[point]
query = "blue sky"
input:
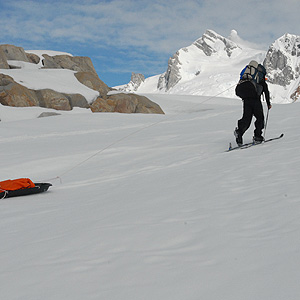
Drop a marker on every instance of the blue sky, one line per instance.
(124, 36)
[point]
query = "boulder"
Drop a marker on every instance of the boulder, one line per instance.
(48, 114)
(126, 103)
(77, 100)
(92, 81)
(14, 94)
(33, 58)
(52, 99)
(75, 63)
(12, 52)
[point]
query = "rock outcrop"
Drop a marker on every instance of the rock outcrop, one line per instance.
(15, 94)
(126, 103)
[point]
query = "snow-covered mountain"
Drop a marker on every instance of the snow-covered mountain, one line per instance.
(190, 62)
(212, 64)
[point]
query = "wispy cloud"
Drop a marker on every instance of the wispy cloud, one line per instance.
(155, 29)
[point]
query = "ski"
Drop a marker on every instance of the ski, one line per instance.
(247, 145)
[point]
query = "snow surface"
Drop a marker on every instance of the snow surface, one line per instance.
(150, 206)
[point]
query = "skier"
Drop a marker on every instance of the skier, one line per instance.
(250, 90)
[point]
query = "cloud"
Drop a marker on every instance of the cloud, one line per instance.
(160, 26)
(154, 29)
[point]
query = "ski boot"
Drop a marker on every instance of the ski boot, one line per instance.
(238, 137)
(258, 139)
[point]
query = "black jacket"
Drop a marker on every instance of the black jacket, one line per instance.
(266, 92)
(248, 90)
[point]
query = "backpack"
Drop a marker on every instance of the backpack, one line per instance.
(250, 78)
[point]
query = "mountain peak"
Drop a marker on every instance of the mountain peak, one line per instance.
(212, 42)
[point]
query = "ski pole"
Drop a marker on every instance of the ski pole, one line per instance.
(266, 120)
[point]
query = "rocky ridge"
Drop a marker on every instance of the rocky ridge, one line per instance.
(13, 93)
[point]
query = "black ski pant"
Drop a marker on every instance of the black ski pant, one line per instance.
(252, 107)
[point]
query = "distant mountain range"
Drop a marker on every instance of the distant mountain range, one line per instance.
(212, 64)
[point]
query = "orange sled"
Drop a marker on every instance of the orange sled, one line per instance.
(21, 187)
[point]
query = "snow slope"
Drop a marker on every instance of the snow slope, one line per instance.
(150, 206)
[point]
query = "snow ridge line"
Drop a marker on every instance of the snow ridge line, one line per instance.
(59, 177)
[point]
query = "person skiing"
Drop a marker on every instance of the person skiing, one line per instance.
(250, 88)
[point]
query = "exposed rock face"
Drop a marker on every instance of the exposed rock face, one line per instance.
(283, 60)
(14, 94)
(75, 63)
(126, 103)
(172, 76)
(92, 81)
(135, 81)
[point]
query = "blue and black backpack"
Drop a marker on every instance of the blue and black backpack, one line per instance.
(250, 78)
